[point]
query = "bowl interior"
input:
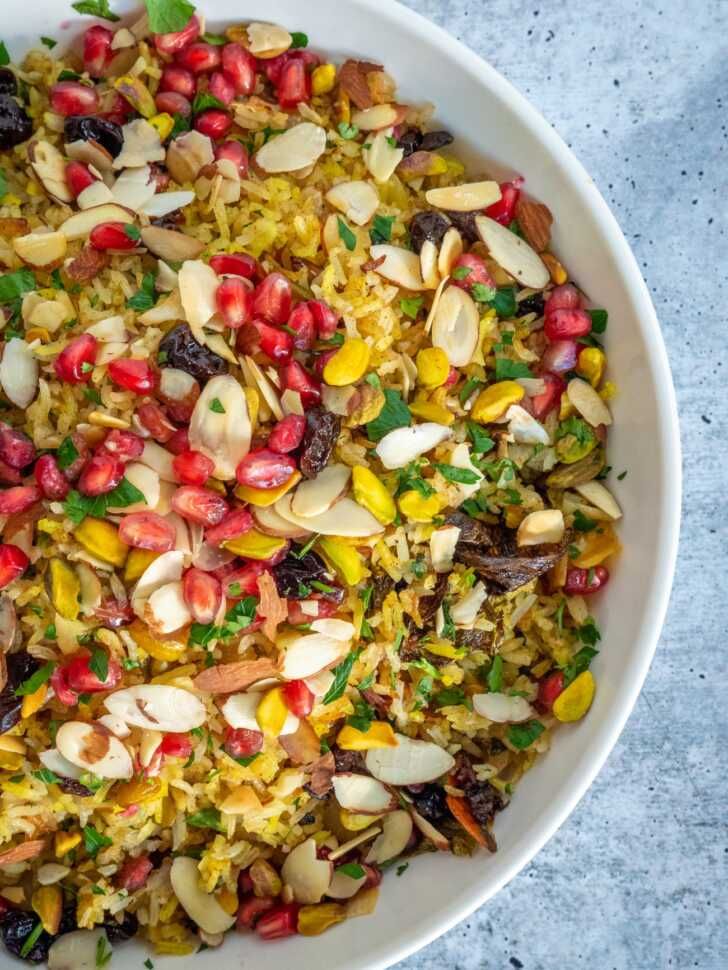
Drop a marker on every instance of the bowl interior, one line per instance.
(502, 135)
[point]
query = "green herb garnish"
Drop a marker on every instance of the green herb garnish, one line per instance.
(168, 16)
(412, 306)
(100, 8)
(146, 297)
(94, 841)
(216, 405)
(522, 736)
(346, 235)
(341, 677)
(394, 414)
(78, 506)
(36, 680)
(381, 231)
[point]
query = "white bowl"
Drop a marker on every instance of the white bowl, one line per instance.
(498, 126)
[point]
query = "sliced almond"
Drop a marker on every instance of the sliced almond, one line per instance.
(166, 610)
(502, 708)
(157, 707)
(146, 480)
(345, 518)
(303, 747)
(203, 908)
(79, 226)
(317, 495)
(309, 654)
(41, 249)
(357, 200)
(588, 403)
(134, 187)
(336, 629)
(430, 832)
(306, 875)
(50, 167)
(338, 400)
(142, 145)
(54, 761)
(435, 304)
(273, 524)
(78, 950)
(227, 678)
(239, 712)
(396, 833)
(295, 149)
(188, 155)
(198, 285)
(601, 497)
(19, 373)
(464, 198)
(90, 153)
(382, 157)
(461, 458)
(163, 203)
(164, 311)
(362, 794)
(451, 249)
(442, 547)
(268, 40)
(465, 611)
(110, 330)
(343, 886)
(403, 445)
(172, 245)
(158, 459)
(456, 326)
(428, 265)
(265, 387)
(241, 801)
(400, 266)
(223, 437)
(166, 280)
(378, 116)
(75, 742)
(512, 254)
(524, 428)
(166, 568)
(412, 762)
(546, 525)
(98, 193)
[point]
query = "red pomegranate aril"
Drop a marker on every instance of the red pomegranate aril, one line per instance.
(251, 909)
(236, 153)
(76, 361)
(260, 336)
(325, 318)
(273, 67)
(543, 403)
(173, 103)
(71, 98)
(503, 210)
(242, 742)
(567, 324)
(278, 922)
(200, 505)
(101, 474)
(221, 88)
(178, 80)
(114, 235)
(200, 58)
(97, 49)
(16, 448)
(242, 581)
(203, 594)
(264, 469)
(565, 297)
(72, 471)
(176, 746)
(78, 177)
(294, 84)
(299, 699)
(8, 475)
(13, 563)
(147, 530)
(239, 67)
(295, 378)
(233, 264)
(50, 479)
(63, 692)
(234, 300)
(134, 873)
(584, 582)
(179, 442)
(548, 690)
(18, 498)
(320, 362)
(453, 377)
(175, 42)
(560, 356)
(214, 123)
(287, 435)
(302, 322)
(132, 375)
(273, 298)
(83, 680)
(192, 467)
(469, 270)
(153, 419)
(125, 445)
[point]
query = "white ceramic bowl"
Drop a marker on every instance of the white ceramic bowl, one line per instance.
(498, 127)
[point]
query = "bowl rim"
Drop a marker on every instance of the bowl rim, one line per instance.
(655, 608)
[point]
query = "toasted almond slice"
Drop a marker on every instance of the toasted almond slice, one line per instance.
(396, 832)
(166, 280)
(451, 249)
(357, 200)
(382, 157)
(309, 654)
(23, 852)
(78, 950)
(346, 847)
(461, 458)
(268, 40)
(146, 480)
(512, 254)
(172, 245)
(400, 266)
(412, 762)
(164, 311)
(166, 568)
(109, 331)
(304, 748)
(601, 497)
(435, 304)
(203, 908)
(464, 198)
(54, 761)
(428, 265)
(157, 707)
(158, 458)
(163, 203)
(198, 285)
(223, 437)
(270, 522)
(307, 876)
(19, 372)
(142, 145)
(98, 193)
(188, 155)
(430, 832)
(134, 187)
(166, 610)
(526, 430)
(502, 708)
(241, 801)
(317, 495)
(345, 518)
(266, 388)
(456, 325)
(403, 445)
(90, 153)
(50, 167)
(41, 249)
(295, 149)
(377, 117)
(228, 678)
(588, 403)
(336, 629)
(546, 525)
(77, 742)
(442, 547)
(79, 225)
(362, 794)
(465, 611)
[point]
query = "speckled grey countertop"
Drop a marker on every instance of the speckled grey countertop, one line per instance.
(637, 877)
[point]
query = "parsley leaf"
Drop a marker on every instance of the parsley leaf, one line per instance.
(46, 776)
(4, 56)
(146, 297)
(206, 818)
(181, 125)
(504, 302)
(31, 939)
(599, 318)
(131, 232)
(299, 40)
(580, 662)
(3, 185)
(411, 307)
(103, 952)
(168, 16)
(449, 697)
(66, 454)
(463, 476)
(507, 370)
(362, 717)
(205, 100)
(341, 677)
(78, 506)
(217, 40)
(522, 736)
(583, 523)
(381, 231)
(15, 285)
(217, 406)
(237, 618)
(36, 680)
(93, 840)
(99, 8)
(394, 414)
(482, 293)
(348, 132)
(461, 272)
(352, 869)
(495, 675)
(346, 235)
(481, 442)
(409, 479)
(469, 387)
(99, 664)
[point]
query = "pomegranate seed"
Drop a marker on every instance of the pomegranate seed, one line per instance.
(16, 448)
(8, 475)
(78, 177)
(453, 376)
(296, 616)
(294, 85)
(373, 874)
(221, 88)
(132, 375)
(81, 678)
(264, 469)
(299, 699)
(71, 98)
(548, 690)
(176, 746)
(114, 614)
(564, 297)
(242, 742)
(236, 153)
(259, 336)
(245, 883)
(50, 479)
(287, 434)
(18, 499)
(76, 361)
(543, 403)
(233, 264)
(179, 442)
(278, 922)
(13, 563)
(97, 49)
(176, 79)
(214, 123)
(114, 235)
(193, 468)
(173, 103)
(273, 67)
(234, 299)
(147, 530)
(124, 445)
(203, 594)
(200, 58)
(320, 362)
(560, 356)
(470, 270)
(273, 298)
(153, 419)
(199, 505)
(175, 42)
(134, 873)
(302, 321)
(63, 692)
(72, 471)
(325, 318)
(567, 324)
(251, 909)
(243, 581)
(101, 474)
(239, 67)
(295, 378)
(502, 210)
(583, 582)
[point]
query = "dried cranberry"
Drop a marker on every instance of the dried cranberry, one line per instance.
(293, 576)
(15, 125)
(322, 430)
(430, 226)
(155, 421)
(251, 909)
(21, 666)
(180, 349)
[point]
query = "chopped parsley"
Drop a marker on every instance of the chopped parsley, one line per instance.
(482, 293)
(206, 818)
(216, 405)
(352, 869)
(180, 126)
(522, 736)
(99, 664)
(204, 100)
(409, 479)
(494, 679)
(463, 476)
(78, 506)
(412, 306)
(341, 677)
(298, 40)
(36, 680)
(32, 938)
(237, 619)
(131, 232)
(583, 523)
(217, 40)
(381, 231)
(504, 302)
(168, 16)
(347, 131)
(362, 717)
(449, 697)
(394, 414)
(469, 387)
(402, 868)
(146, 297)
(46, 776)
(3, 185)
(461, 272)
(100, 8)
(508, 370)
(93, 840)
(482, 443)
(599, 319)
(66, 454)
(103, 952)
(346, 235)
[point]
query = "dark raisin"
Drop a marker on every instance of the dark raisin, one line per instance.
(434, 140)
(293, 576)
(430, 604)
(463, 773)
(431, 804)
(308, 819)
(319, 438)
(464, 222)
(171, 221)
(410, 141)
(15, 930)
(180, 350)
(428, 225)
(382, 586)
(485, 801)
(532, 304)
(118, 932)
(90, 128)
(72, 787)
(349, 760)
(8, 83)
(20, 667)
(496, 746)
(15, 125)
(474, 639)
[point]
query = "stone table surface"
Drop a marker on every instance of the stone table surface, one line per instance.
(636, 878)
